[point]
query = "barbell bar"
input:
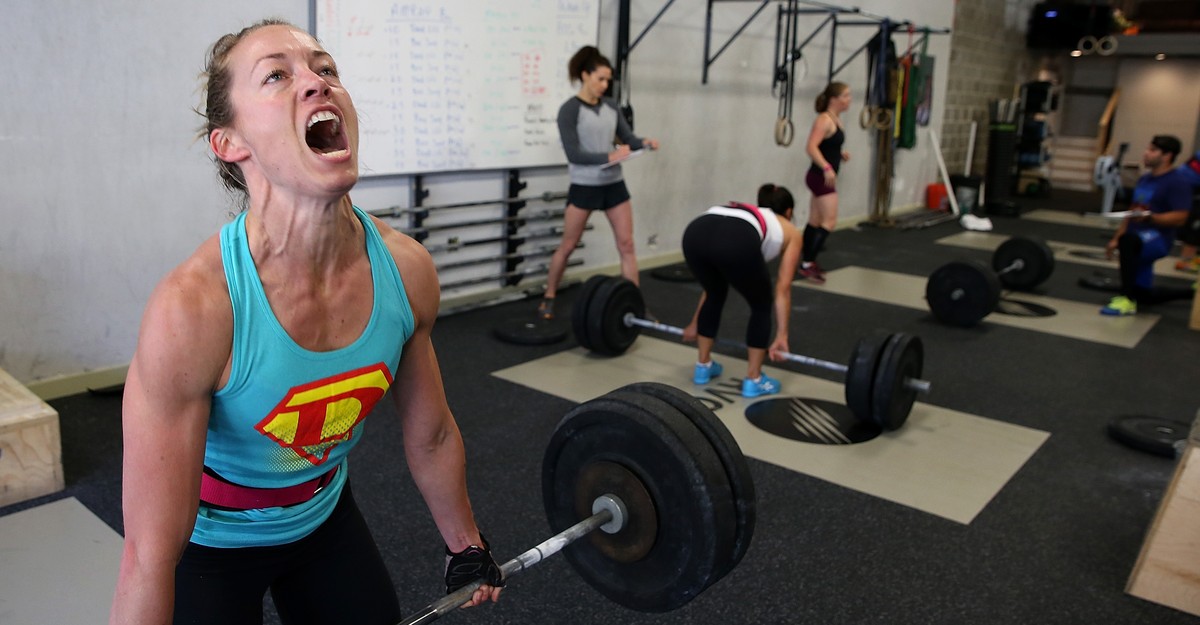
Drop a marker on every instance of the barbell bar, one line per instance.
(963, 292)
(424, 230)
(915, 384)
(397, 211)
(882, 379)
(609, 517)
(662, 479)
(510, 278)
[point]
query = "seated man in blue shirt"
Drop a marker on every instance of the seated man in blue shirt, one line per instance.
(1162, 197)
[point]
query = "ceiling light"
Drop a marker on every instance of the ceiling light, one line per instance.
(1076, 53)
(1160, 56)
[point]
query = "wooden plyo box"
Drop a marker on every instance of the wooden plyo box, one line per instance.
(1167, 571)
(30, 447)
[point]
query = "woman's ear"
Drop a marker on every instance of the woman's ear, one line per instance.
(225, 144)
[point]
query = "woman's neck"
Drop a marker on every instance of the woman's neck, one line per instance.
(587, 97)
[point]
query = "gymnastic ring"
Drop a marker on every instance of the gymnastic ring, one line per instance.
(1106, 45)
(785, 131)
(1087, 44)
(883, 118)
(864, 118)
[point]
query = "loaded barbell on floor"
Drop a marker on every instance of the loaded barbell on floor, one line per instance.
(882, 379)
(962, 293)
(665, 483)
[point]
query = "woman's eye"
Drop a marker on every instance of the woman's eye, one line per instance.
(273, 76)
(329, 71)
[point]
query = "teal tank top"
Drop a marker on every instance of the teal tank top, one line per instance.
(288, 415)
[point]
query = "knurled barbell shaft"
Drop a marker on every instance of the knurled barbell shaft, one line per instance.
(916, 384)
(1016, 265)
(539, 552)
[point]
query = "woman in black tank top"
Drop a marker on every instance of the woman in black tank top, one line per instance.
(825, 148)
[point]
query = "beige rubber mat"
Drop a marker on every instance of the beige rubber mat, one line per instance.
(1066, 252)
(1073, 319)
(58, 564)
(946, 463)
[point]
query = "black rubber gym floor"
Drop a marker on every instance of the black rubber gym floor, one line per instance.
(1057, 544)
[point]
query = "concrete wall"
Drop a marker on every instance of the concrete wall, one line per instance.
(988, 61)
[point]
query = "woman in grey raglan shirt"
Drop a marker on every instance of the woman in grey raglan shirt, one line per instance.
(594, 133)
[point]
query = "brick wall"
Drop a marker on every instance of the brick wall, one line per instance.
(988, 61)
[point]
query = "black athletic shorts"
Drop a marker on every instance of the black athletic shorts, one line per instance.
(602, 197)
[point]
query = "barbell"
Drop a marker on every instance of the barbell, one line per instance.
(963, 292)
(882, 379)
(665, 483)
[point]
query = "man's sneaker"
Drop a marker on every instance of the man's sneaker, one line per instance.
(812, 273)
(762, 386)
(545, 310)
(1120, 306)
(705, 373)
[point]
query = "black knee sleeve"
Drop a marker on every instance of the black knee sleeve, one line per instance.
(807, 245)
(814, 242)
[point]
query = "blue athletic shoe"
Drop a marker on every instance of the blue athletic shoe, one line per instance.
(762, 386)
(704, 374)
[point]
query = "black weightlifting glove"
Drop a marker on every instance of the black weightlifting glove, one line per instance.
(471, 564)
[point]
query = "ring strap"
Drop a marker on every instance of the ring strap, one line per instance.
(217, 492)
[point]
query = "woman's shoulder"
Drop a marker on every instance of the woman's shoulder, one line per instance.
(785, 224)
(413, 261)
(831, 122)
(203, 271)
(403, 247)
(193, 298)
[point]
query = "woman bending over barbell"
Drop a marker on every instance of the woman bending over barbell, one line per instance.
(730, 245)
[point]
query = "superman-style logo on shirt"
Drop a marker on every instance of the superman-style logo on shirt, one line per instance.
(314, 418)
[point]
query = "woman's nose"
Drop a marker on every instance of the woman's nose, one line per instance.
(314, 85)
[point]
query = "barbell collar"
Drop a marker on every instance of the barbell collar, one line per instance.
(539, 552)
(916, 384)
(616, 508)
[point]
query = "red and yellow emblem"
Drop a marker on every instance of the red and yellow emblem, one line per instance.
(316, 417)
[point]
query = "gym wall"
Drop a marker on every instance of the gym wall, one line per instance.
(1157, 97)
(107, 190)
(988, 60)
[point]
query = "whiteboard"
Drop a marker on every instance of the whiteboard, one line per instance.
(450, 86)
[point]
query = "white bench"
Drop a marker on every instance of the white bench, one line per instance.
(30, 446)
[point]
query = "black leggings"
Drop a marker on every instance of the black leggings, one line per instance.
(334, 575)
(723, 252)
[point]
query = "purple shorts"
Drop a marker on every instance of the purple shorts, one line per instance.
(816, 183)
